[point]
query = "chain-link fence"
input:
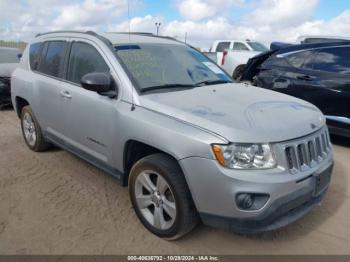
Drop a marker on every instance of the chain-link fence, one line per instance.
(14, 44)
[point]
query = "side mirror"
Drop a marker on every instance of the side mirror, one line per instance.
(97, 82)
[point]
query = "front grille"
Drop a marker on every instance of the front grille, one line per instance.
(306, 153)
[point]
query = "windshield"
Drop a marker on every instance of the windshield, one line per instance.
(256, 46)
(8, 56)
(168, 65)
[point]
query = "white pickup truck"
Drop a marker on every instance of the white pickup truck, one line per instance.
(232, 55)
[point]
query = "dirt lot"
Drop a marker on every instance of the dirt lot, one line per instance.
(55, 203)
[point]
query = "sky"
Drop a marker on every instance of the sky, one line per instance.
(203, 21)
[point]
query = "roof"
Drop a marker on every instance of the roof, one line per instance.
(303, 37)
(300, 47)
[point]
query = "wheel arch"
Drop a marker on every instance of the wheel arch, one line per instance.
(134, 150)
(20, 103)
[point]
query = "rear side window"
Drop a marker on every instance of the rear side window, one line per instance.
(335, 60)
(84, 59)
(52, 62)
(34, 55)
(240, 46)
(222, 46)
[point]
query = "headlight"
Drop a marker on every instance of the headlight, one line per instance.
(245, 156)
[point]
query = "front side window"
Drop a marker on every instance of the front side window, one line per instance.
(84, 59)
(34, 55)
(152, 65)
(240, 46)
(335, 60)
(52, 62)
(9, 56)
(301, 59)
(222, 46)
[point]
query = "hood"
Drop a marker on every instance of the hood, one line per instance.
(7, 69)
(238, 112)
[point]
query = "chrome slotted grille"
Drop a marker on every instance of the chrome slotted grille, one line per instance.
(306, 153)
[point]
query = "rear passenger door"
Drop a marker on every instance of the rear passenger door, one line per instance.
(48, 73)
(89, 117)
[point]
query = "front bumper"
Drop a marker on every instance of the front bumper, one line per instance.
(214, 189)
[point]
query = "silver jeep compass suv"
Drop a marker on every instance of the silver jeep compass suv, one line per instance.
(189, 143)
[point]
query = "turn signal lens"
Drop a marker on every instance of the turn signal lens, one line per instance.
(218, 154)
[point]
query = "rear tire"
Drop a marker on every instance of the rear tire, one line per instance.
(31, 131)
(159, 192)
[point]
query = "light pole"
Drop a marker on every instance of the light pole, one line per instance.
(158, 25)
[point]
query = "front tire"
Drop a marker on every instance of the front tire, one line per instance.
(238, 73)
(161, 198)
(31, 131)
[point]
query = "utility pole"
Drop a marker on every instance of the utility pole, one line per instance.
(158, 25)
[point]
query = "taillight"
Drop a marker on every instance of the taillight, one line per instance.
(223, 57)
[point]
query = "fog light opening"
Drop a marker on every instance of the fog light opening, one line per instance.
(251, 201)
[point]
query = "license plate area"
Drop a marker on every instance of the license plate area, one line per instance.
(322, 180)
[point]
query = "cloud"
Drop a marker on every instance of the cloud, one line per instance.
(90, 13)
(203, 21)
(196, 10)
(281, 12)
(139, 24)
(21, 20)
(203, 33)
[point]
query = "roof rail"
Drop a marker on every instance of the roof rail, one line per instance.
(144, 34)
(67, 31)
(131, 33)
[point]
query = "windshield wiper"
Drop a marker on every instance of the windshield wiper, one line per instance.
(212, 82)
(166, 86)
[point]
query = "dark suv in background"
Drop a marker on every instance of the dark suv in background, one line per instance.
(9, 59)
(318, 73)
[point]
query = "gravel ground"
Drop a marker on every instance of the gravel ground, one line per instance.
(55, 203)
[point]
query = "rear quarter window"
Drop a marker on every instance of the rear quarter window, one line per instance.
(34, 55)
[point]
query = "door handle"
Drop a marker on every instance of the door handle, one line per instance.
(305, 78)
(65, 94)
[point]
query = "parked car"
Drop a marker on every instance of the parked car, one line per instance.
(172, 126)
(313, 39)
(318, 73)
(232, 55)
(9, 59)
